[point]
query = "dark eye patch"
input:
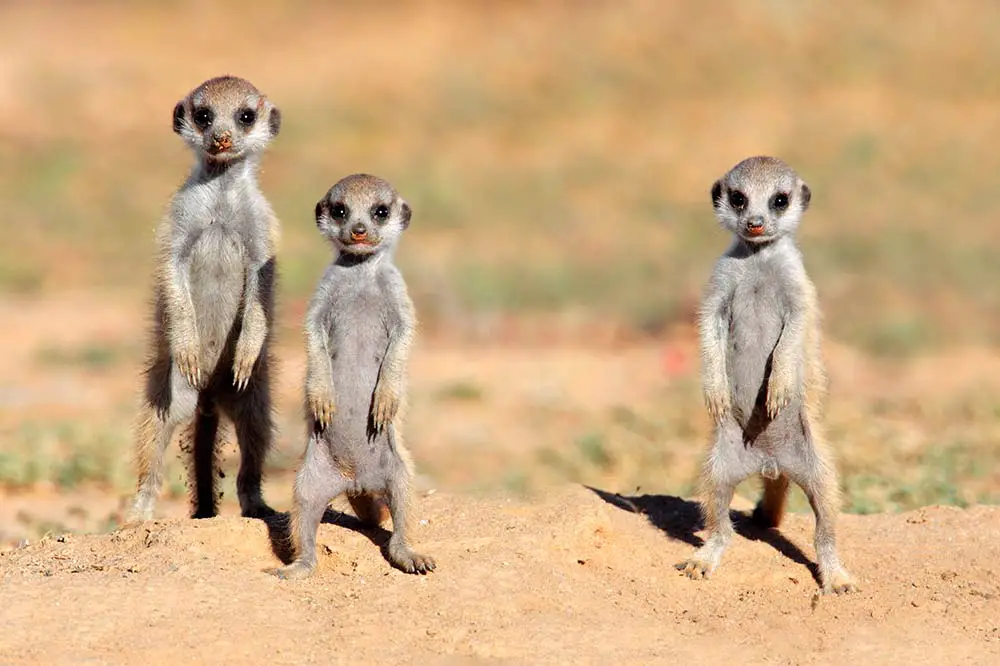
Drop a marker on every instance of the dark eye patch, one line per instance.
(246, 117)
(203, 117)
(380, 212)
(338, 211)
(779, 201)
(737, 199)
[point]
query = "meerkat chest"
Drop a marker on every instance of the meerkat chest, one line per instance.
(227, 213)
(360, 315)
(758, 308)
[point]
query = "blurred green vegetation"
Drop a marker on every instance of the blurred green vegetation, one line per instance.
(571, 173)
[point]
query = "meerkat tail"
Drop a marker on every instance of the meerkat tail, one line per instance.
(771, 507)
(370, 509)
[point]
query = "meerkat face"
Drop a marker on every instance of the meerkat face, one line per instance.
(362, 214)
(760, 199)
(226, 118)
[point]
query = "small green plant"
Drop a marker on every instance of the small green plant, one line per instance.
(460, 391)
(594, 450)
(91, 356)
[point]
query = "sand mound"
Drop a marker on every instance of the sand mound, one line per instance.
(578, 577)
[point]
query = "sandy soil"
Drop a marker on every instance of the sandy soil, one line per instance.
(579, 576)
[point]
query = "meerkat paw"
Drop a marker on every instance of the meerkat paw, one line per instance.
(717, 400)
(411, 562)
(188, 363)
(385, 406)
(780, 391)
(839, 583)
(294, 571)
(243, 368)
(321, 405)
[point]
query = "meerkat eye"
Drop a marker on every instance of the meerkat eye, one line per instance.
(247, 117)
(203, 117)
(737, 199)
(338, 211)
(381, 212)
(780, 201)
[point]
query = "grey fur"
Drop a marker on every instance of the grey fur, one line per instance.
(359, 328)
(214, 301)
(762, 371)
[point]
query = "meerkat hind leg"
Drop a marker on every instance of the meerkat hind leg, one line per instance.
(820, 487)
(170, 401)
(725, 467)
(152, 438)
(398, 499)
(718, 497)
(254, 433)
(316, 485)
(206, 430)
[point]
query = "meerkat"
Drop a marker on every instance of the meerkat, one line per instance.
(214, 300)
(359, 329)
(762, 372)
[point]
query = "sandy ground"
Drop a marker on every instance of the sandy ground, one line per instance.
(581, 577)
(568, 575)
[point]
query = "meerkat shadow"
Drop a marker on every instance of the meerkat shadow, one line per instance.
(680, 519)
(279, 532)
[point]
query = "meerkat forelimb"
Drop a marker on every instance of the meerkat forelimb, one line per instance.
(359, 329)
(214, 291)
(762, 372)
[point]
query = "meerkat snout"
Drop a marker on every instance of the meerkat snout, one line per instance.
(755, 226)
(221, 141)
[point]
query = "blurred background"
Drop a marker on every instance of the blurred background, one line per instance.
(558, 157)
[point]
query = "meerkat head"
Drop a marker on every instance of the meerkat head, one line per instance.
(225, 119)
(362, 214)
(760, 199)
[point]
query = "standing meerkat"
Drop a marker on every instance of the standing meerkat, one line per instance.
(359, 329)
(214, 300)
(762, 370)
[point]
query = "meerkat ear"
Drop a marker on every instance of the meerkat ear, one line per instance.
(716, 193)
(405, 213)
(320, 209)
(274, 121)
(806, 195)
(179, 117)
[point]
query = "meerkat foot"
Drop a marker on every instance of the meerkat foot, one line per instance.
(839, 583)
(138, 513)
(695, 568)
(295, 571)
(705, 560)
(410, 561)
(256, 508)
(386, 404)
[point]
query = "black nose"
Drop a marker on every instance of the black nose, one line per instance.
(755, 223)
(359, 230)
